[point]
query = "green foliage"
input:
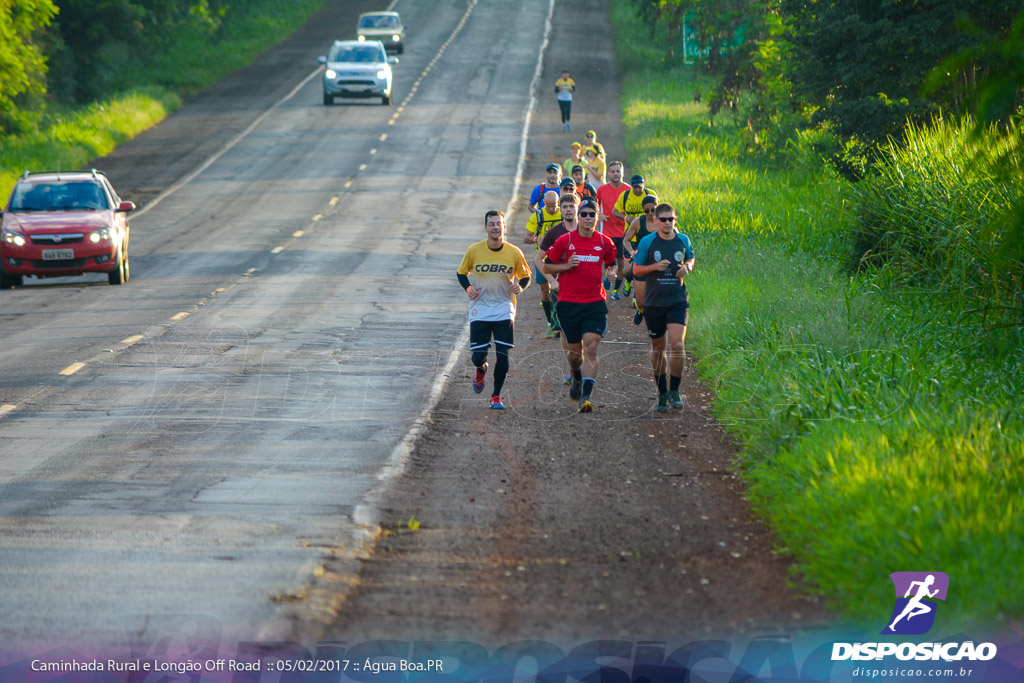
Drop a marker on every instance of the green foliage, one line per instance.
(876, 420)
(142, 92)
(22, 66)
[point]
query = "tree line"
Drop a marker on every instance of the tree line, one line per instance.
(74, 51)
(858, 69)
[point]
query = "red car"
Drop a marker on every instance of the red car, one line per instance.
(64, 223)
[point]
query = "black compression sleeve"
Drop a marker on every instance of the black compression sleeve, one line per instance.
(463, 280)
(524, 282)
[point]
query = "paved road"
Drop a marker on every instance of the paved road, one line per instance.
(229, 410)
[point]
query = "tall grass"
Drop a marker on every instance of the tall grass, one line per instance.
(878, 431)
(932, 215)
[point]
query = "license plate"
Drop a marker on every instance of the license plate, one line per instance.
(58, 254)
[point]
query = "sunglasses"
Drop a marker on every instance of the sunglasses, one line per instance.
(587, 214)
(666, 219)
(649, 210)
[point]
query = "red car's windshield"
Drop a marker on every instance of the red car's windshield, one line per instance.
(59, 196)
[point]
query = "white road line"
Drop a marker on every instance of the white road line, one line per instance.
(7, 408)
(72, 369)
(300, 233)
(277, 250)
(179, 316)
(132, 339)
(366, 513)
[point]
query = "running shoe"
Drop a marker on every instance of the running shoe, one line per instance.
(478, 381)
(568, 380)
(676, 399)
(627, 288)
(662, 406)
(575, 390)
(585, 406)
(615, 295)
(607, 283)
(496, 403)
(638, 317)
(552, 332)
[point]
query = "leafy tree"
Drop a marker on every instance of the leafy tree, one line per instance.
(862, 63)
(22, 65)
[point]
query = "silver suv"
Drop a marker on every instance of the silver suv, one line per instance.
(357, 68)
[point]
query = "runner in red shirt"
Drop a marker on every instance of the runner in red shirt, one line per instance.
(611, 225)
(579, 258)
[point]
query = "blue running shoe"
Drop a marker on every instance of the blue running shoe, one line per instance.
(615, 295)
(496, 403)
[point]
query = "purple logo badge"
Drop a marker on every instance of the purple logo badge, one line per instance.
(916, 592)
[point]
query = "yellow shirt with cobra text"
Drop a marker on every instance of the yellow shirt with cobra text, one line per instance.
(493, 271)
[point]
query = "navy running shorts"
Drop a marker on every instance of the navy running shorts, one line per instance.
(659, 317)
(579, 319)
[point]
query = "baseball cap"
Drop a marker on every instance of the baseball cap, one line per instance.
(588, 204)
(552, 167)
(636, 180)
(575, 145)
(577, 167)
(591, 134)
(567, 181)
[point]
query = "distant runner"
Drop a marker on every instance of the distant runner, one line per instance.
(493, 272)
(537, 225)
(640, 228)
(611, 225)
(564, 88)
(552, 176)
(665, 257)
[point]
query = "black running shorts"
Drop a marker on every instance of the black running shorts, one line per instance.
(481, 331)
(579, 319)
(659, 317)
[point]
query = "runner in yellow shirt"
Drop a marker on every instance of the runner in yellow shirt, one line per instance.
(493, 272)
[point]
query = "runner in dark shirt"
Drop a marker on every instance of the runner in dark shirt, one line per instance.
(665, 257)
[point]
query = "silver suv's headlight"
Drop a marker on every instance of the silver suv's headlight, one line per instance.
(362, 37)
(11, 237)
(331, 73)
(396, 37)
(382, 74)
(100, 235)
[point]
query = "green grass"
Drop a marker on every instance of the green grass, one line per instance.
(880, 428)
(68, 138)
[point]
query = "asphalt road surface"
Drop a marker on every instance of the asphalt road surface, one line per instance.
(222, 417)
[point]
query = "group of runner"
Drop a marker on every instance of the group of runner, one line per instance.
(592, 244)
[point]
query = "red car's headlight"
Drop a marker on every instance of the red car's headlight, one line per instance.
(100, 235)
(11, 237)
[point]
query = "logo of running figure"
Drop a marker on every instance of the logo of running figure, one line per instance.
(914, 612)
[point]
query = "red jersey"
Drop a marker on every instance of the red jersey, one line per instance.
(584, 283)
(607, 196)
